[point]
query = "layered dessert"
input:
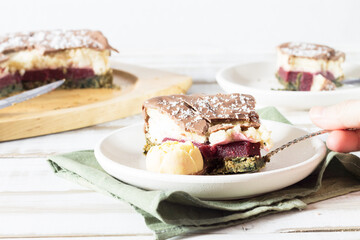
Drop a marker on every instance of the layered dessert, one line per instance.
(31, 59)
(225, 128)
(309, 67)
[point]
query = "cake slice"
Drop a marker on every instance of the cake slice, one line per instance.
(225, 127)
(309, 67)
(31, 59)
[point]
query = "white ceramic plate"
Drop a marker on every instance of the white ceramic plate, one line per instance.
(258, 79)
(120, 154)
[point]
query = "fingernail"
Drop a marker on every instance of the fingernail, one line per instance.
(316, 112)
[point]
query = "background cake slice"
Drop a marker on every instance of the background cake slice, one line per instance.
(309, 67)
(31, 59)
(225, 127)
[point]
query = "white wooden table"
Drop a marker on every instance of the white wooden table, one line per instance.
(36, 204)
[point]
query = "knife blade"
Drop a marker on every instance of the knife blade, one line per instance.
(21, 97)
(351, 81)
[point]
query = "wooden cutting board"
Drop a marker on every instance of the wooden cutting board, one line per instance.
(63, 110)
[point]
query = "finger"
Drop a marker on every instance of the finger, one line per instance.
(340, 116)
(344, 141)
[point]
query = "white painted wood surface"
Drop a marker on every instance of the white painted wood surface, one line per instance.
(36, 204)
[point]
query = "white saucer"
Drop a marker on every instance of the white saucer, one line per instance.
(120, 154)
(258, 79)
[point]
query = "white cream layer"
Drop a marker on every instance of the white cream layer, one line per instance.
(303, 64)
(252, 134)
(320, 83)
(78, 58)
(162, 126)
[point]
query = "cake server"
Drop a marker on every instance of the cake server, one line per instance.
(21, 97)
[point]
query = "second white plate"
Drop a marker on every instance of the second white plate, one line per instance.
(258, 79)
(120, 154)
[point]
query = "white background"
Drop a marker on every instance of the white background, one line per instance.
(194, 26)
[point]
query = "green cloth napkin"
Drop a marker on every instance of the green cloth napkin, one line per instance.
(171, 213)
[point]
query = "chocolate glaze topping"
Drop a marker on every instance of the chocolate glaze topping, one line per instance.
(310, 50)
(199, 113)
(52, 41)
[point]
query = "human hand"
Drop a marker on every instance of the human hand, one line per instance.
(338, 117)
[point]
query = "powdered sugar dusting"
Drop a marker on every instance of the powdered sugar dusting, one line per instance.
(53, 40)
(307, 50)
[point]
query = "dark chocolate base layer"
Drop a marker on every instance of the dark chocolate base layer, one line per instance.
(13, 88)
(96, 81)
(240, 165)
(147, 146)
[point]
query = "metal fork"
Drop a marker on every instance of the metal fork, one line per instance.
(299, 139)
